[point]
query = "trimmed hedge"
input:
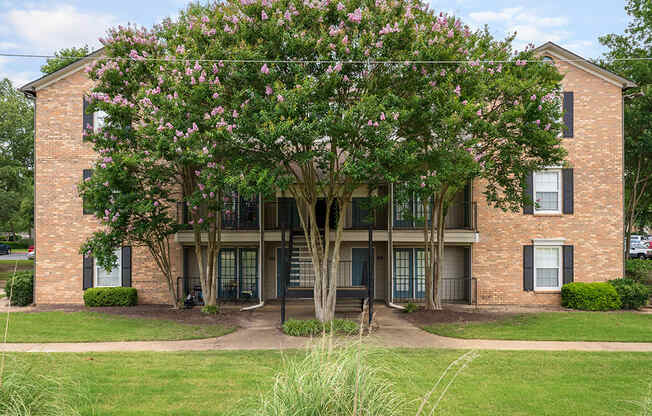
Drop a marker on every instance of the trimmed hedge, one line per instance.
(632, 294)
(111, 296)
(22, 293)
(313, 327)
(598, 296)
(22, 243)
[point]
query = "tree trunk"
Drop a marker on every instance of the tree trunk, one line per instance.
(428, 258)
(440, 210)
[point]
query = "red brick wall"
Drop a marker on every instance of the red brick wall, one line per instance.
(596, 227)
(61, 156)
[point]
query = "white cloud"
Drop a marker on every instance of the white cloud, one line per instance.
(530, 27)
(45, 29)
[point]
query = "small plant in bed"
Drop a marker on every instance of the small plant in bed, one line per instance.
(411, 307)
(210, 310)
(110, 296)
(597, 296)
(313, 327)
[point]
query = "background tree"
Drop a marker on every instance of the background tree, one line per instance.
(492, 117)
(64, 57)
(16, 160)
(636, 42)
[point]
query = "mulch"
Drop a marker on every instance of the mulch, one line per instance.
(423, 318)
(162, 312)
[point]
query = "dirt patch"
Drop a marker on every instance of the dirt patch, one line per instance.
(423, 318)
(194, 316)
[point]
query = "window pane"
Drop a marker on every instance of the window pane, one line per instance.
(249, 272)
(546, 181)
(547, 257)
(109, 278)
(228, 284)
(420, 272)
(547, 277)
(548, 201)
(402, 277)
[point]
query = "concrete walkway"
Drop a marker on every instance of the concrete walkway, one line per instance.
(259, 331)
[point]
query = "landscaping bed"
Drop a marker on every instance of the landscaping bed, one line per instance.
(545, 326)
(495, 383)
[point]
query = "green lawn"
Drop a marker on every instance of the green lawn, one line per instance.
(93, 326)
(556, 326)
(230, 383)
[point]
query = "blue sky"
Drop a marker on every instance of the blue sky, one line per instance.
(41, 27)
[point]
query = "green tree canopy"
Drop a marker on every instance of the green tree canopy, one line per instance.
(64, 57)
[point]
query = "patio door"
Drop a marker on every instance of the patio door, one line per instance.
(237, 273)
(403, 272)
(360, 266)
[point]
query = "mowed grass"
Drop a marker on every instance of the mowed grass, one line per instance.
(556, 326)
(231, 382)
(94, 326)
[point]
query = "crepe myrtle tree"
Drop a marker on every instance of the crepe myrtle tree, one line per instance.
(315, 104)
(491, 114)
(163, 103)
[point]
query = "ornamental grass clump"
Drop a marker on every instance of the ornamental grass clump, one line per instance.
(332, 381)
(25, 393)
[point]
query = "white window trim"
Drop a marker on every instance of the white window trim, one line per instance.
(560, 277)
(97, 266)
(559, 192)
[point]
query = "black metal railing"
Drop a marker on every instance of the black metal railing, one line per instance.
(460, 216)
(283, 214)
(452, 290)
(240, 215)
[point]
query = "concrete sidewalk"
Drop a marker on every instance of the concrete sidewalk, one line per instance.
(260, 332)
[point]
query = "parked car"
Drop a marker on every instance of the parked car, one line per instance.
(5, 249)
(30, 249)
(31, 255)
(640, 251)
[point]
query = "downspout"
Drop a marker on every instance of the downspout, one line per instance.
(390, 248)
(261, 257)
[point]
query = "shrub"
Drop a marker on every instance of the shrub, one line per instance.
(313, 327)
(111, 296)
(334, 382)
(21, 288)
(638, 269)
(632, 294)
(411, 307)
(210, 309)
(598, 296)
(22, 243)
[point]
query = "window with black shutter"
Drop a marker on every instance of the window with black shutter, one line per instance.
(126, 266)
(528, 191)
(528, 268)
(567, 184)
(568, 261)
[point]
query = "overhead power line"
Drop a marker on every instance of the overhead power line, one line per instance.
(308, 61)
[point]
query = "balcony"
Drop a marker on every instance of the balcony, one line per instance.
(239, 215)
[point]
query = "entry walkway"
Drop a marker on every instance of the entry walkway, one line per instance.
(259, 331)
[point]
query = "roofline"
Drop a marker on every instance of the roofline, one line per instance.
(585, 64)
(42, 82)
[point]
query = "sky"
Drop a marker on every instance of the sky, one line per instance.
(41, 27)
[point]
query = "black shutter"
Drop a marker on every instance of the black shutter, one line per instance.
(126, 266)
(467, 206)
(529, 192)
(568, 264)
(567, 184)
(87, 117)
(87, 175)
(528, 268)
(568, 114)
(88, 272)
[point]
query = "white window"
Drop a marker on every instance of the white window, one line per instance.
(547, 268)
(547, 191)
(105, 278)
(99, 120)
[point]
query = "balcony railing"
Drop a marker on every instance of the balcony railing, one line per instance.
(460, 216)
(284, 214)
(240, 215)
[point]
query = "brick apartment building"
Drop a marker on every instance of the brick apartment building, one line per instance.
(492, 257)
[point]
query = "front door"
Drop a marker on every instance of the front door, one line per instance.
(360, 266)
